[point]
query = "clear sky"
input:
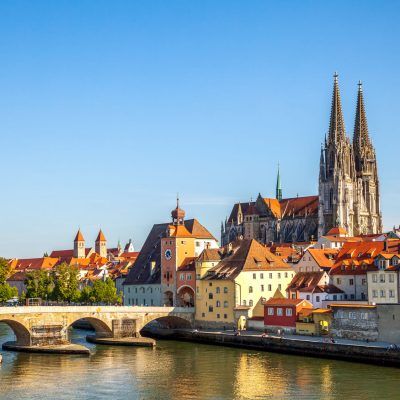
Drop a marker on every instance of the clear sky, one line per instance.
(109, 108)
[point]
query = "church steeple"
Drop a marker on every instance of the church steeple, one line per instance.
(278, 186)
(336, 124)
(361, 141)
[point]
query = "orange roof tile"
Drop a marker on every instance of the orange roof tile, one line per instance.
(79, 237)
(101, 237)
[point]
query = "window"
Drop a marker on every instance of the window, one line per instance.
(308, 297)
(210, 284)
(188, 277)
(391, 293)
(383, 293)
(289, 312)
(262, 288)
(129, 289)
(270, 311)
(182, 277)
(217, 290)
(293, 295)
(374, 278)
(352, 315)
(218, 316)
(251, 303)
(351, 282)
(279, 311)
(317, 299)
(363, 282)
(382, 278)
(261, 276)
(218, 304)
(364, 315)
(391, 278)
(210, 308)
(225, 316)
(280, 287)
(225, 289)
(270, 275)
(183, 241)
(338, 281)
(197, 244)
(225, 304)
(269, 288)
(152, 302)
(210, 296)
(352, 297)
(250, 289)
(254, 276)
(286, 275)
(279, 275)
(203, 314)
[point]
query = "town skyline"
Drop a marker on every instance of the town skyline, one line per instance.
(91, 147)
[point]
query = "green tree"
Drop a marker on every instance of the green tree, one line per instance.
(66, 283)
(5, 270)
(87, 295)
(39, 284)
(104, 292)
(7, 292)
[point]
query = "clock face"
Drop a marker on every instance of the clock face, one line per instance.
(168, 254)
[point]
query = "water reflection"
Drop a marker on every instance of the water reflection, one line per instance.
(177, 370)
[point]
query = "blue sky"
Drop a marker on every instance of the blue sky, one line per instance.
(109, 108)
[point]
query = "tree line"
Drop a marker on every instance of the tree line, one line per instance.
(60, 284)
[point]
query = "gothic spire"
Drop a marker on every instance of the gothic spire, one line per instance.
(278, 186)
(361, 136)
(336, 124)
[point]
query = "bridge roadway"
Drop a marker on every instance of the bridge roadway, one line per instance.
(36, 326)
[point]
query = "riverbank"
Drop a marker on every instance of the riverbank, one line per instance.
(369, 353)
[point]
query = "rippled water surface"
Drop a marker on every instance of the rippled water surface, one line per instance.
(177, 370)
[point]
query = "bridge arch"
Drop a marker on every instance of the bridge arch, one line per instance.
(21, 332)
(168, 321)
(102, 328)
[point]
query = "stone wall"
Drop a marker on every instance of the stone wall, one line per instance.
(389, 322)
(357, 323)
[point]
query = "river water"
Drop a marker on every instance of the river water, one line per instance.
(178, 370)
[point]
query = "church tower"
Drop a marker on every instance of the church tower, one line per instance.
(101, 244)
(367, 203)
(79, 245)
(337, 173)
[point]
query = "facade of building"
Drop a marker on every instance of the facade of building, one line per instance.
(164, 272)
(348, 178)
(313, 287)
(281, 313)
(273, 220)
(315, 260)
(231, 282)
(383, 283)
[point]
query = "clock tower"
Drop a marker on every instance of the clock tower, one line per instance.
(177, 247)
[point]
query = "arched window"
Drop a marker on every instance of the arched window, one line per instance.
(218, 304)
(218, 290)
(250, 289)
(225, 304)
(251, 303)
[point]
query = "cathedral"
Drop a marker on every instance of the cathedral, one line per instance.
(348, 191)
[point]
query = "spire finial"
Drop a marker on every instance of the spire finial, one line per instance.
(359, 86)
(336, 124)
(336, 75)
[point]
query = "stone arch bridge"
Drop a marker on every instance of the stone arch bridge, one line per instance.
(43, 325)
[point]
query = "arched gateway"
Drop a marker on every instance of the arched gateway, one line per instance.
(41, 326)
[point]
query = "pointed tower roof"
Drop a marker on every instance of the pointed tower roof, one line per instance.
(101, 237)
(79, 237)
(361, 136)
(278, 186)
(177, 214)
(336, 125)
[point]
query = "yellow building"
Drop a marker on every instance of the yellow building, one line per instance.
(231, 281)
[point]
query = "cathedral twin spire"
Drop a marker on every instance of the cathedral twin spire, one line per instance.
(337, 131)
